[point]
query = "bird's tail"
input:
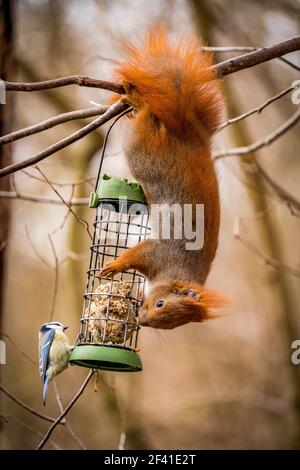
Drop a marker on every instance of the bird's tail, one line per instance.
(45, 388)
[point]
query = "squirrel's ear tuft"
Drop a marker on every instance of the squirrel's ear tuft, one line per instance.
(213, 299)
(190, 293)
(201, 300)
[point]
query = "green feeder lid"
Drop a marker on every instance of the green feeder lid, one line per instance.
(106, 358)
(110, 187)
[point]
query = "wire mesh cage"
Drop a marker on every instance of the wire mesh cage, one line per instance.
(109, 330)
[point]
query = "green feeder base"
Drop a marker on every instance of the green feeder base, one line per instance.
(106, 358)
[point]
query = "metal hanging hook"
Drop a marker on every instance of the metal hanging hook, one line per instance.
(105, 143)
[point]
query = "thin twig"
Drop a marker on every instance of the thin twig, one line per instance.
(6, 336)
(66, 410)
(3, 245)
(113, 110)
(229, 48)
(264, 142)
(280, 192)
(52, 122)
(256, 251)
(256, 57)
(79, 80)
(56, 275)
(40, 257)
(258, 109)
(42, 199)
(122, 438)
(30, 428)
(62, 224)
(224, 68)
(28, 408)
(68, 426)
(288, 62)
(83, 222)
(74, 256)
(223, 49)
(55, 183)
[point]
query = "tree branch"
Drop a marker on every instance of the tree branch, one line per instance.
(15, 345)
(28, 408)
(259, 56)
(68, 426)
(30, 428)
(79, 80)
(256, 251)
(52, 122)
(112, 111)
(67, 409)
(280, 192)
(42, 199)
(255, 57)
(82, 222)
(222, 69)
(265, 141)
(245, 49)
(56, 277)
(258, 109)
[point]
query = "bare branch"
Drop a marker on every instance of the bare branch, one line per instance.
(56, 274)
(224, 68)
(3, 245)
(229, 48)
(89, 180)
(122, 438)
(40, 257)
(256, 251)
(264, 142)
(112, 111)
(79, 80)
(280, 192)
(246, 49)
(66, 410)
(68, 426)
(30, 428)
(227, 67)
(62, 224)
(258, 109)
(79, 219)
(52, 122)
(15, 345)
(28, 408)
(288, 62)
(259, 56)
(42, 199)
(74, 256)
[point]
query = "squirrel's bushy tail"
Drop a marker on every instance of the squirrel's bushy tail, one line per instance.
(175, 81)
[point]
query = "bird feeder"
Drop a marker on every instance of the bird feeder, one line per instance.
(109, 330)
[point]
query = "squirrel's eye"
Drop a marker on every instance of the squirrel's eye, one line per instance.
(159, 303)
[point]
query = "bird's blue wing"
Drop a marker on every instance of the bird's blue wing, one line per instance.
(45, 341)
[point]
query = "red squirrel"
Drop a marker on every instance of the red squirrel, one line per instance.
(177, 106)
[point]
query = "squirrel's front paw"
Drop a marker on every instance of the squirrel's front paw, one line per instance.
(109, 270)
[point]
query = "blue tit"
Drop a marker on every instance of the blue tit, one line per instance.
(54, 352)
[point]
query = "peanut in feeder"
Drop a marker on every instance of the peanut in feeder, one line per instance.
(118, 309)
(109, 324)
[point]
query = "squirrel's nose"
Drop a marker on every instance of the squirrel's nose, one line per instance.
(143, 318)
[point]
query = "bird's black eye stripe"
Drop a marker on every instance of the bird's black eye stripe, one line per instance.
(159, 303)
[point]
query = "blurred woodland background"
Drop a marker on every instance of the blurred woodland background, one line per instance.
(225, 384)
